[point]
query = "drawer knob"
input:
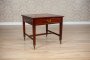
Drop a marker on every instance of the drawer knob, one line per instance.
(49, 20)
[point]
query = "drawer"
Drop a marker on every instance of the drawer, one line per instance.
(53, 20)
(42, 21)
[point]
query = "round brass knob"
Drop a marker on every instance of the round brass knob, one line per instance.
(49, 20)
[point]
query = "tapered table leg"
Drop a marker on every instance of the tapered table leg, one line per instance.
(34, 36)
(60, 32)
(46, 29)
(23, 28)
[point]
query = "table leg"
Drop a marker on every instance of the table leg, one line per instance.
(60, 32)
(34, 36)
(23, 29)
(46, 29)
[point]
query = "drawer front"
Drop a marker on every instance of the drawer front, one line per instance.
(53, 20)
(42, 21)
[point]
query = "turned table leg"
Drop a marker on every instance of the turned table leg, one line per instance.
(60, 31)
(34, 35)
(46, 29)
(23, 28)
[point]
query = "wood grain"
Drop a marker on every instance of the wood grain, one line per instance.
(75, 44)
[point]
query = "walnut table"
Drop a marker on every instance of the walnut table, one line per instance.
(42, 19)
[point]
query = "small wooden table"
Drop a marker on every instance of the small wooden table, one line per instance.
(42, 19)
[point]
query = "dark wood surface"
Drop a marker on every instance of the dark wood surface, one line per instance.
(46, 15)
(42, 19)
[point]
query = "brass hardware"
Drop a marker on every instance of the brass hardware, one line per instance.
(49, 20)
